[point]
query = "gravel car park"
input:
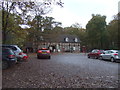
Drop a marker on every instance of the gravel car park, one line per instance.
(64, 70)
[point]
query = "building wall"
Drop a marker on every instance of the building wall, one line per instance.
(62, 47)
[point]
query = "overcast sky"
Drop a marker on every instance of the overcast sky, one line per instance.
(80, 11)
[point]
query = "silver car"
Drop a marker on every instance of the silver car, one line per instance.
(112, 55)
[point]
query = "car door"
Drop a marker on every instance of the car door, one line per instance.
(96, 53)
(104, 55)
(119, 53)
(108, 55)
(93, 53)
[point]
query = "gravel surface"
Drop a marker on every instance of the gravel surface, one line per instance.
(61, 71)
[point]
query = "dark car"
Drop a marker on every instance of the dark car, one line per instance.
(8, 58)
(95, 53)
(43, 53)
(18, 52)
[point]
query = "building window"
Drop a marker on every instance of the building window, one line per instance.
(66, 39)
(76, 40)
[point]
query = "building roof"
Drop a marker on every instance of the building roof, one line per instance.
(67, 38)
(64, 38)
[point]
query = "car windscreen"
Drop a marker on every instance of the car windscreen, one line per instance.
(101, 51)
(118, 51)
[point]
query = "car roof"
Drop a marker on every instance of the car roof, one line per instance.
(6, 49)
(43, 49)
(12, 46)
(97, 49)
(8, 45)
(112, 50)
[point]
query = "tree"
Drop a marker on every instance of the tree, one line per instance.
(76, 25)
(113, 33)
(25, 10)
(77, 30)
(119, 30)
(95, 29)
(13, 31)
(9, 11)
(50, 35)
(49, 23)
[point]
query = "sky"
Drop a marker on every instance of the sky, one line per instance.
(80, 11)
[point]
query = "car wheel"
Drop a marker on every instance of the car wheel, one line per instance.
(95, 57)
(49, 57)
(112, 59)
(5, 65)
(100, 58)
(38, 57)
(88, 56)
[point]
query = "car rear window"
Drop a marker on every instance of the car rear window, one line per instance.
(13, 48)
(44, 49)
(7, 51)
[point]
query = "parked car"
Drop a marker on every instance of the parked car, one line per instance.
(8, 58)
(23, 56)
(112, 55)
(43, 53)
(18, 52)
(95, 53)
